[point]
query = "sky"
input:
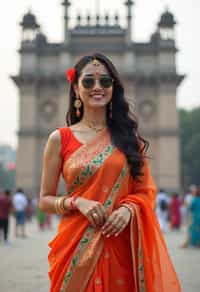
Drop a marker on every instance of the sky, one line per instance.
(50, 16)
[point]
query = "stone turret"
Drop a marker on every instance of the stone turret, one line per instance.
(66, 5)
(129, 4)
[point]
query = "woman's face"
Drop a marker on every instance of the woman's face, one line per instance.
(98, 95)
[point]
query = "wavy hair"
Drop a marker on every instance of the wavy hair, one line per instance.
(123, 128)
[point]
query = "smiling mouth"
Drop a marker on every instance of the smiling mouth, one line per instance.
(97, 96)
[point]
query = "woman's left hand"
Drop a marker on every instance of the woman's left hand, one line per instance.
(116, 222)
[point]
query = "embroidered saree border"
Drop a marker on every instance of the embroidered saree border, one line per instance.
(89, 157)
(89, 235)
(138, 267)
(90, 169)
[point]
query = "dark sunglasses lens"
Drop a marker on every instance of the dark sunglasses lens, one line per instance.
(88, 82)
(106, 82)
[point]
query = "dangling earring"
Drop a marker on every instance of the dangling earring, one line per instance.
(110, 108)
(78, 105)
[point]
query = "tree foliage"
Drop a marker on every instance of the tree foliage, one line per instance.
(7, 178)
(190, 146)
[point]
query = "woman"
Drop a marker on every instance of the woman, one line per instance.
(108, 238)
(194, 230)
(175, 212)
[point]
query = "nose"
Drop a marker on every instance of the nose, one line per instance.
(97, 84)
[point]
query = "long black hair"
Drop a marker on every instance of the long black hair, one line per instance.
(123, 128)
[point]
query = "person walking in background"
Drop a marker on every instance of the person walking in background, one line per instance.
(5, 210)
(187, 202)
(29, 210)
(175, 211)
(20, 203)
(41, 218)
(194, 229)
(162, 202)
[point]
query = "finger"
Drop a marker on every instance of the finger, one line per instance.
(120, 230)
(102, 215)
(117, 230)
(90, 218)
(95, 217)
(92, 222)
(117, 224)
(111, 227)
(108, 222)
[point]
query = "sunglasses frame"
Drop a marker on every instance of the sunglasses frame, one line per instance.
(94, 82)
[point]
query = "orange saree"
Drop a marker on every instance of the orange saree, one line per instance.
(81, 258)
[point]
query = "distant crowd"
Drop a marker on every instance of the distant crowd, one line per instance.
(173, 212)
(23, 209)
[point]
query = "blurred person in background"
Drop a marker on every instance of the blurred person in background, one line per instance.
(162, 204)
(187, 202)
(41, 218)
(29, 210)
(5, 210)
(194, 229)
(175, 211)
(20, 203)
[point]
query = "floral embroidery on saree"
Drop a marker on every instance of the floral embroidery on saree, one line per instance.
(91, 168)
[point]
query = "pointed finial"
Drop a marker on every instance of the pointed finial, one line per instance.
(97, 19)
(129, 3)
(88, 19)
(66, 3)
(79, 18)
(116, 19)
(106, 19)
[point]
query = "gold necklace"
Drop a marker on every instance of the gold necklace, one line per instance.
(92, 126)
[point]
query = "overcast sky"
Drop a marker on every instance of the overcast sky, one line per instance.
(50, 16)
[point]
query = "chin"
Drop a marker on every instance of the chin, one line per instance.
(97, 104)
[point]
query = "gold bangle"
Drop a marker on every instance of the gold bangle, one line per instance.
(62, 204)
(56, 205)
(59, 205)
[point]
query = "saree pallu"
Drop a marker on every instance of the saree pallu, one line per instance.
(81, 258)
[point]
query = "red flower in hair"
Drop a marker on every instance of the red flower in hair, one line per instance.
(71, 74)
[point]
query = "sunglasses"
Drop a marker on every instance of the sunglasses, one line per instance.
(104, 81)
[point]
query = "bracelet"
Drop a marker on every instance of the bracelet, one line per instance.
(59, 205)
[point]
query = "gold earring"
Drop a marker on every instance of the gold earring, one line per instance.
(78, 105)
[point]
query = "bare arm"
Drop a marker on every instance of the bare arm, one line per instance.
(52, 163)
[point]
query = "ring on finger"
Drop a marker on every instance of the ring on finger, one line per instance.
(94, 215)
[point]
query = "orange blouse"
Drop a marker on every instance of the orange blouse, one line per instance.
(69, 143)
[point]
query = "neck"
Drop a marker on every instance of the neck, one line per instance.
(96, 117)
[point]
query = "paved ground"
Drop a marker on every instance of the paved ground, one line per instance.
(23, 264)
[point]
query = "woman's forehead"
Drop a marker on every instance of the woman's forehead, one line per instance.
(94, 69)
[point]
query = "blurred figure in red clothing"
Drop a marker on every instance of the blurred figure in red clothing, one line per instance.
(175, 211)
(5, 210)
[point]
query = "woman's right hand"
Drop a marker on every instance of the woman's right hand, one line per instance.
(93, 210)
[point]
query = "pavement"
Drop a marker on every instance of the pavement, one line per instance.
(24, 265)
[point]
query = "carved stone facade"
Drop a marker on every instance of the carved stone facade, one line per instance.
(147, 69)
